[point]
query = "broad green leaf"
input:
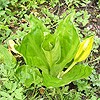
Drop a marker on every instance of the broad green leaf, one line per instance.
(84, 49)
(1, 58)
(7, 58)
(76, 73)
(52, 50)
(30, 47)
(28, 75)
(50, 81)
(69, 42)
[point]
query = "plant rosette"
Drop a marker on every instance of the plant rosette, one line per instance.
(48, 55)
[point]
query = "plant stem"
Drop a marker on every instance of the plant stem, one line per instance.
(69, 68)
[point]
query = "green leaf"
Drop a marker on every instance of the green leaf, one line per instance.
(76, 73)
(28, 75)
(84, 49)
(69, 42)
(7, 58)
(50, 81)
(52, 50)
(30, 47)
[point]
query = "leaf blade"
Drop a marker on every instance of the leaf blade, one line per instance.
(7, 58)
(30, 47)
(28, 75)
(76, 73)
(69, 40)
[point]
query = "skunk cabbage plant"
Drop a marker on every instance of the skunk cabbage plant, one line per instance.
(53, 59)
